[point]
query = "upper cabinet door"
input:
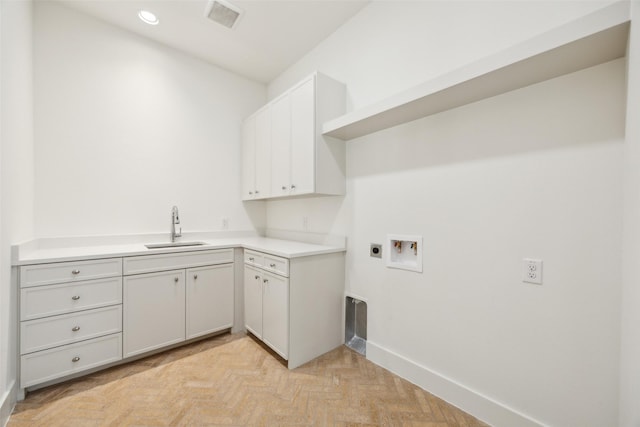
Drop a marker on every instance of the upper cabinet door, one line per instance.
(303, 129)
(263, 153)
(249, 158)
(281, 146)
(292, 157)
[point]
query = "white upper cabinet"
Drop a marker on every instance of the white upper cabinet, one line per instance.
(256, 155)
(281, 146)
(303, 136)
(263, 154)
(288, 135)
(249, 158)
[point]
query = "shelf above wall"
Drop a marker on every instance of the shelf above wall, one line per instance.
(594, 39)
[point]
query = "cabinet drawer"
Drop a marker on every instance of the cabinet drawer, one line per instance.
(253, 258)
(41, 301)
(55, 331)
(47, 365)
(164, 262)
(59, 272)
(276, 264)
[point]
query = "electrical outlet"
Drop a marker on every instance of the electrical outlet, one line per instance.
(225, 223)
(305, 223)
(532, 271)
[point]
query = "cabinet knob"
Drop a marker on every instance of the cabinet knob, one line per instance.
(75, 359)
(257, 192)
(293, 187)
(272, 265)
(175, 279)
(251, 259)
(284, 187)
(265, 280)
(195, 276)
(75, 328)
(251, 193)
(256, 277)
(75, 272)
(75, 297)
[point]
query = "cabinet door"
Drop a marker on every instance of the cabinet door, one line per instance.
(263, 153)
(275, 313)
(154, 311)
(280, 146)
(303, 138)
(249, 158)
(209, 299)
(253, 301)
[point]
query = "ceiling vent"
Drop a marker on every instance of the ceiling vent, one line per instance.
(223, 12)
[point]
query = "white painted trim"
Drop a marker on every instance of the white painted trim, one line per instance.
(8, 402)
(476, 404)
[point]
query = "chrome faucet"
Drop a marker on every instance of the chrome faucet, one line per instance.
(175, 219)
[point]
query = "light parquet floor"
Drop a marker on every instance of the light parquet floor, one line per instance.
(233, 380)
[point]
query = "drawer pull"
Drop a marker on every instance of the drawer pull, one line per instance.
(75, 297)
(176, 279)
(75, 272)
(272, 265)
(252, 259)
(265, 280)
(195, 277)
(256, 277)
(75, 359)
(75, 328)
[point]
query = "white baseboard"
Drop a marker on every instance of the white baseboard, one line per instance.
(7, 403)
(481, 407)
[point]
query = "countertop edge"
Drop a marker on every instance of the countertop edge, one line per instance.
(271, 246)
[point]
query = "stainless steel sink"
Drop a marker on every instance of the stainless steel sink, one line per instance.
(173, 245)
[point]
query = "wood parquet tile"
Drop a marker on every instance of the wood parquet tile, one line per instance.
(233, 380)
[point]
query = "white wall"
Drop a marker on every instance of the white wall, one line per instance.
(126, 128)
(16, 178)
(532, 173)
(630, 350)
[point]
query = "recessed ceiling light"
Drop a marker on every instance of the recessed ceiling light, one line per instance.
(148, 17)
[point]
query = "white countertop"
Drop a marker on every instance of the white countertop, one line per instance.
(33, 253)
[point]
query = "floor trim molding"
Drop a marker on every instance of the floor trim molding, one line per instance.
(481, 407)
(8, 402)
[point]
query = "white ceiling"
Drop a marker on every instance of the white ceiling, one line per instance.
(270, 36)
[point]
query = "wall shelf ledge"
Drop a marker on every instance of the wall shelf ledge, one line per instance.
(591, 40)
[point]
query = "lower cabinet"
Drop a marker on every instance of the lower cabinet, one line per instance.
(154, 311)
(70, 318)
(81, 315)
(58, 362)
(162, 308)
(85, 314)
(295, 305)
(275, 313)
(253, 300)
(209, 299)
(266, 308)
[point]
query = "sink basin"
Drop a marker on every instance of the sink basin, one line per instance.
(173, 245)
